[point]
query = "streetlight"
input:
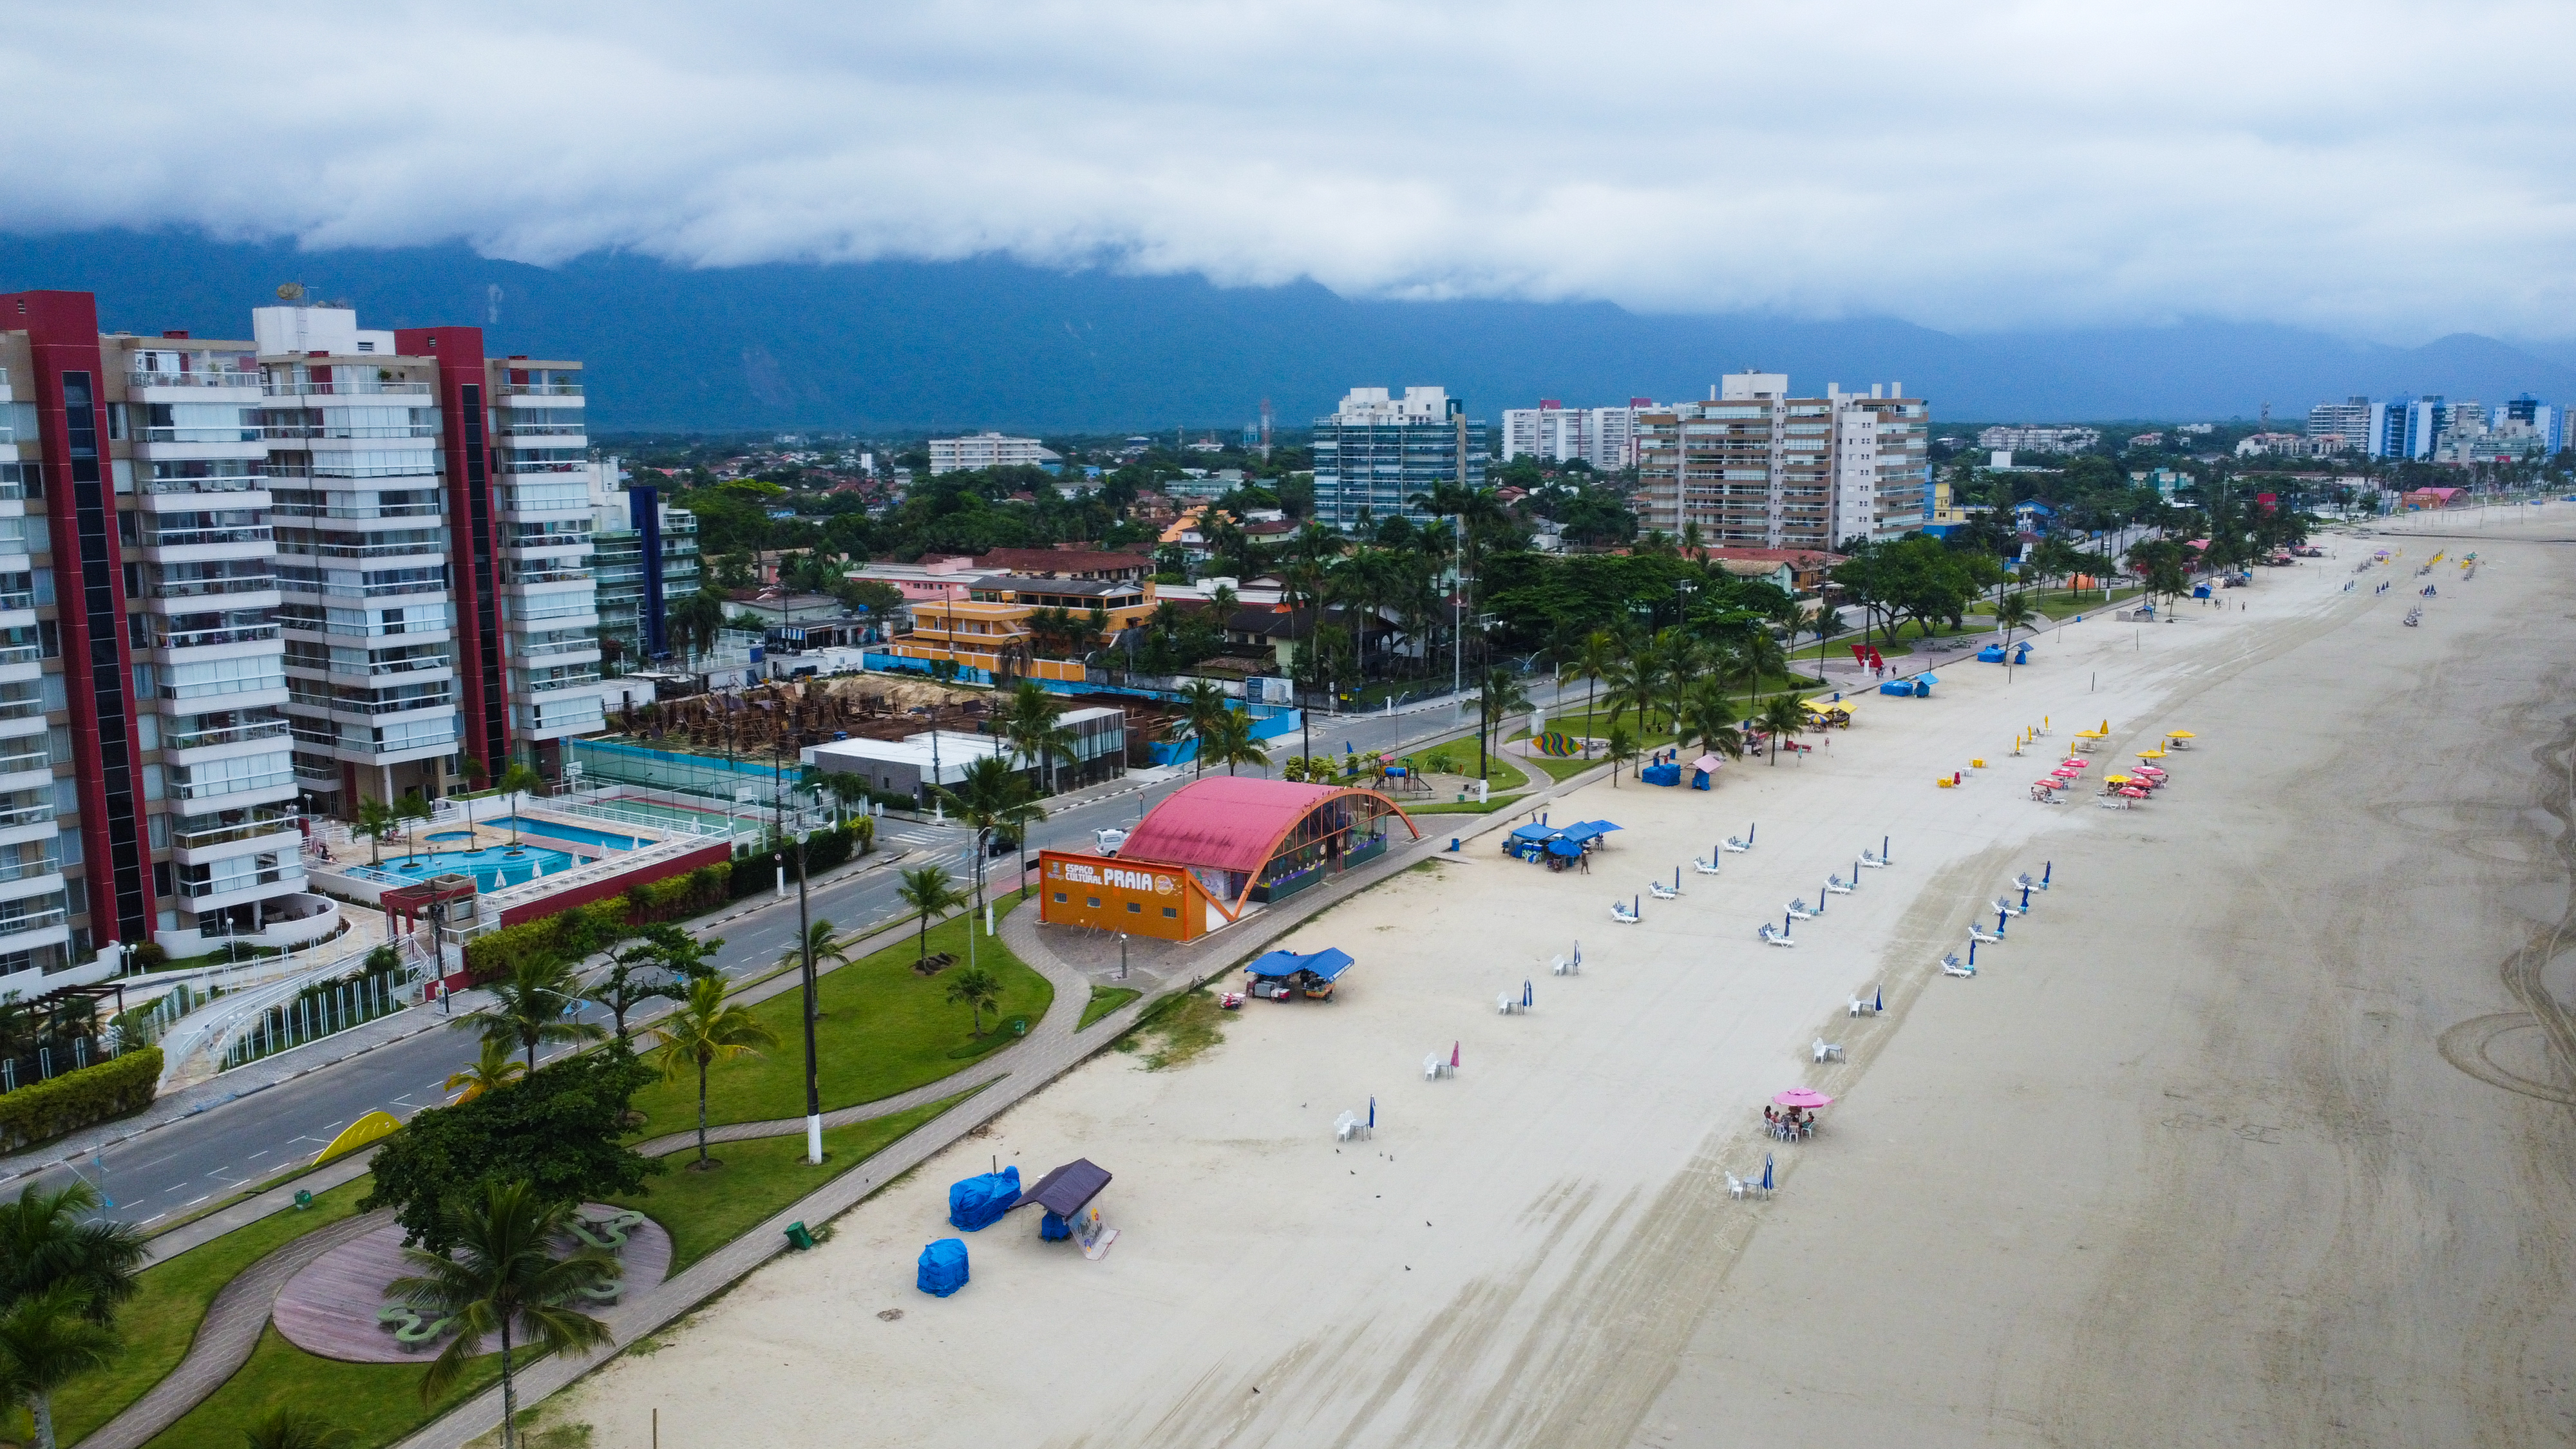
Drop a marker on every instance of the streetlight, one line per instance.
(805, 974)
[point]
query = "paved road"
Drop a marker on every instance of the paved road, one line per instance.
(215, 1154)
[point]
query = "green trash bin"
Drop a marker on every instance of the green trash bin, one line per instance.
(303, 1199)
(1019, 1026)
(798, 1238)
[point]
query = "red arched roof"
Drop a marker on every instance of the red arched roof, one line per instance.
(1229, 822)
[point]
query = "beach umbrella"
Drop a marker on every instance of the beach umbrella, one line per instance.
(1372, 1113)
(1803, 1097)
(2180, 735)
(1453, 1056)
(1529, 998)
(2115, 779)
(2134, 793)
(2051, 783)
(1766, 1172)
(1878, 1002)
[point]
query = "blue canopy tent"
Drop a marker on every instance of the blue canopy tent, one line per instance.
(942, 1268)
(979, 1201)
(1564, 848)
(1325, 964)
(1588, 831)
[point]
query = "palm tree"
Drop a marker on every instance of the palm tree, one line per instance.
(1619, 747)
(412, 808)
(1500, 697)
(991, 798)
(1033, 723)
(2012, 612)
(530, 1007)
(1203, 709)
(1757, 657)
(491, 1071)
(1596, 656)
(1782, 715)
(977, 989)
(46, 1340)
(516, 779)
(287, 1427)
(377, 824)
(707, 1028)
(927, 892)
(826, 947)
(44, 1242)
(1684, 657)
(696, 619)
(1232, 743)
(1712, 721)
(503, 1276)
(1633, 685)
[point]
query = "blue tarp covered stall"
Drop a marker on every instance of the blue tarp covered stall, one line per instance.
(1324, 965)
(1532, 831)
(1991, 654)
(1588, 831)
(1661, 774)
(943, 1268)
(1901, 688)
(1065, 1192)
(979, 1202)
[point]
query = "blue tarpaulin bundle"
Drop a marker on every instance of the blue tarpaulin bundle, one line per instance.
(1052, 1229)
(1662, 774)
(979, 1202)
(943, 1268)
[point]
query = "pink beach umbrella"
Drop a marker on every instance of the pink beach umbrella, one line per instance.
(1803, 1097)
(2133, 792)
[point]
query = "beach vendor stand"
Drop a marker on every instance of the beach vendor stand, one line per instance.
(1285, 975)
(1064, 1198)
(1702, 769)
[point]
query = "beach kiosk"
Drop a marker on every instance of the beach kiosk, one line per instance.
(1063, 1194)
(1283, 975)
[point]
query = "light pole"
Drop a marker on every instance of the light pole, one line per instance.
(805, 975)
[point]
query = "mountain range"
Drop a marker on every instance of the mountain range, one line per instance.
(894, 347)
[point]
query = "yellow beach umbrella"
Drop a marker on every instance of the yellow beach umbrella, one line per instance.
(2151, 754)
(2115, 779)
(2180, 735)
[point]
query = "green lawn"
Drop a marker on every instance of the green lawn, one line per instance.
(379, 1402)
(1566, 769)
(703, 1211)
(160, 1319)
(884, 1029)
(1470, 807)
(1104, 1000)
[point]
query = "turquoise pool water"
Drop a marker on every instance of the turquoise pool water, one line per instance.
(449, 835)
(605, 840)
(492, 867)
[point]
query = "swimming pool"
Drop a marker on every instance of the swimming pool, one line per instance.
(449, 835)
(492, 867)
(582, 833)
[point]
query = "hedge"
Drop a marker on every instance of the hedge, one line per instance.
(77, 1098)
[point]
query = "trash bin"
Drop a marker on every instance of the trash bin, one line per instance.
(798, 1237)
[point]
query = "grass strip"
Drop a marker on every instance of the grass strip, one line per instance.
(1104, 1000)
(171, 1299)
(703, 1211)
(884, 1029)
(377, 1402)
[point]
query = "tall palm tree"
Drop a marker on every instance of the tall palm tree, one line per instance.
(1684, 657)
(696, 619)
(1033, 723)
(1758, 656)
(976, 989)
(706, 1028)
(1594, 658)
(1711, 721)
(288, 1427)
(993, 798)
(531, 1007)
(1500, 697)
(504, 1276)
(376, 823)
(44, 1242)
(517, 778)
(1233, 744)
(927, 892)
(410, 810)
(2013, 612)
(1203, 709)
(1618, 747)
(491, 1071)
(1782, 715)
(46, 1340)
(829, 950)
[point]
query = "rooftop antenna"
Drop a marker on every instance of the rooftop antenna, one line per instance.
(290, 291)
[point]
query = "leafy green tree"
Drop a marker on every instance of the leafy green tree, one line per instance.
(928, 891)
(490, 1071)
(376, 823)
(659, 963)
(707, 1028)
(561, 1129)
(504, 1275)
(44, 1243)
(48, 1339)
(531, 1006)
(977, 989)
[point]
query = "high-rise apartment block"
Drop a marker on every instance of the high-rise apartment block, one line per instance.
(1604, 438)
(988, 450)
(322, 565)
(2348, 420)
(1377, 454)
(644, 560)
(1756, 468)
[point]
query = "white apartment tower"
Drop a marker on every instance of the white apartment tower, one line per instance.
(1753, 467)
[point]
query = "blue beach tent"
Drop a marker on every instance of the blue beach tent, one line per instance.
(943, 1268)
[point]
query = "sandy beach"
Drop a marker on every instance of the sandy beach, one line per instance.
(2250, 1133)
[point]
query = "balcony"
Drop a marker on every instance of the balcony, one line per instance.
(218, 688)
(213, 588)
(11, 654)
(15, 817)
(17, 599)
(21, 760)
(200, 537)
(511, 429)
(202, 435)
(285, 507)
(362, 551)
(439, 698)
(265, 729)
(544, 576)
(210, 638)
(284, 431)
(371, 388)
(194, 789)
(43, 913)
(540, 389)
(29, 867)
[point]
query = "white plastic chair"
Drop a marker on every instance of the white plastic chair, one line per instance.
(1431, 1067)
(1829, 1050)
(1345, 1127)
(1736, 1186)
(1506, 1004)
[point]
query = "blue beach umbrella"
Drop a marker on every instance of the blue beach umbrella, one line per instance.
(1766, 1172)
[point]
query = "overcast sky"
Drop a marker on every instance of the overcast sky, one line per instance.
(2388, 171)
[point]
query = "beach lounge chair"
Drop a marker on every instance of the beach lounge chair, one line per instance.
(1623, 915)
(1775, 936)
(2008, 908)
(1797, 909)
(1828, 1050)
(1705, 867)
(1737, 847)
(1836, 885)
(1663, 892)
(1951, 965)
(1872, 862)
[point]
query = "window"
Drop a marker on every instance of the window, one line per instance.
(1059, 898)
(1135, 908)
(1092, 901)
(1171, 913)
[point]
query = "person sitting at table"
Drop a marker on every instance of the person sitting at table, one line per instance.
(1771, 1120)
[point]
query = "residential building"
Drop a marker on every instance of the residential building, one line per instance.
(438, 599)
(644, 559)
(2042, 439)
(2141, 441)
(2549, 423)
(996, 627)
(146, 784)
(2348, 420)
(1602, 438)
(988, 450)
(1377, 454)
(1753, 467)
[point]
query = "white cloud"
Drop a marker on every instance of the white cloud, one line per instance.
(2392, 170)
